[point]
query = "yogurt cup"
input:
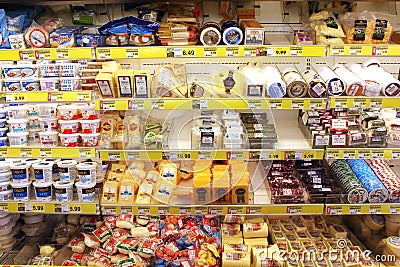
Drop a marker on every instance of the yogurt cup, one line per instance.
(90, 126)
(69, 84)
(54, 169)
(47, 110)
(29, 71)
(12, 85)
(3, 113)
(6, 195)
(43, 172)
(87, 172)
(86, 192)
(20, 172)
(5, 176)
(48, 124)
(88, 112)
(49, 84)
(33, 138)
(68, 112)
(18, 139)
(70, 69)
(30, 85)
(3, 123)
(90, 140)
(3, 141)
(48, 139)
(21, 191)
(3, 131)
(5, 186)
(17, 112)
(43, 191)
(67, 170)
(17, 125)
(11, 71)
(69, 127)
(33, 112)
(50, 70)
(69, 140)
(63, 191)
(33, 125)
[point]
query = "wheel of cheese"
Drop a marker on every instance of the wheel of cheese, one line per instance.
(374, 222)
(8, 246)
(393, 244)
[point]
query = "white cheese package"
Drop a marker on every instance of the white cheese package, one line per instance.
(254, 81)
(335, 85)
(372, 85)
(317, 85)
(390, 85)
(275, 87)
(170, 81)
(296, 86)
(354, 85)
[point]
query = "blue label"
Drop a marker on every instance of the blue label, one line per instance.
(43, 191)
(2, 142)
(19, 174)
(20, 192)
(3, 115)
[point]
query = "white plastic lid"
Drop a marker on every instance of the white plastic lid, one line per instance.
(47, 133)
(67, 121)
(68, 135)
(80, 185)
(36, 184)
(68, 107)
(42, 165)
(61, 185)
(16, 120)
(67, 163)
(88, 121)
(86, 165)
(20, 185)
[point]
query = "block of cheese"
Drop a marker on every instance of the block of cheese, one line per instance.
(186, 169)
(144, 193)
(164, 191)
(256, 242)
(119, 168)
(232, 240)
(202, 192)
(169, 173)
(265, 255)
(136, 164)
(338, 231)
(138, 175)
(106, 84)
(115, 176)
(236, 259)
(124, 81)
(231, 230)
(236, 247)
(221, 192)
(362, 231)
(127, 191)
(110, 192)
(240, 192)
(152, 177)
(374, 222)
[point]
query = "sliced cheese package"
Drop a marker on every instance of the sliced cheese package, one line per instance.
(255, 230)
(236, 247)
(256, 242)
(236, 259)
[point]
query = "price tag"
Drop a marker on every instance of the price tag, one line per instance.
(184, 52)
(275, 104)
(251, 52)
(263, 155)
(340, 103)
(45, 152)
(185, 210)
(273, 155)
(294, 209)
(296, 51)
(215, 210)
(355, 50)
(86, 153)
(381, 51)
(27, 55)
(232, 52)
(21, 207)
(364, 154)
(26, 152)
(281, 51)
(136, 104)
(43, 54)
(4, 207)
(134, 156)
(16, 97)
(64, 207)
(254, 104)
(201, 210)
(55, 96)
(111, 210)
(298, 104)
(200, 104)
(164, 211)
(395, 154)
(38, 208)
(107, 105)
(144, 210)
(378, 154)
(355, 209)
(334, 210)
(317, 104)
(333, 154)
(3, 152)
(376, 103)
(210, 52)
(360, 102)
(236, 210)
(375, 209)
(83, 97)
(394, 209)
(234, 155)
(204, 155)
(114, 156)
(132, 53)
(62, 53)
(308, 155)
(158, 104)
(351, 154)
(254, 210)
(126, 210)
(337, 50)
(104, 53)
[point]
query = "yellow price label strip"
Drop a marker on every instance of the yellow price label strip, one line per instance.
(4, 207)
(337, 50)
(281, 51)
(294, 210)
(132, 53)
(334, 210)
(16, 97)
(104, 53)
(355, 210)
(236, 210)
(232, 52)
(210, 52)
(43, 54)
(201, 210)
(27, 55)
(296, 51)
(144, 210)
(185, 210)
(375, 209)
(394, 209)
(56, 96)
(62, 53)
(254, 210)
(364, 154)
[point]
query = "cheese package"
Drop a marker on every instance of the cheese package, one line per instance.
(141, 80)
(232, 230)
(252, 230)
(240, 192)
(124, 81)
(169, 173)
(116, 167)
(127, 191)
(221, 191)
(110, 192)
(265, 255)
(170, 81)
(202, 192)
(256, 242)
(164, 191)
(144, 194)
(235, 259)
(236, 247)
(106, 84)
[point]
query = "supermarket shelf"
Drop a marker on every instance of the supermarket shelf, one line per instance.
(363, 153)
(364, 102)
(364, 50)
(370, 208)
(46, 53)
(51, 207)
(54, 152)
(58, 96)
(209, 52)
(215, 104)
(289, 209)
(220, 154)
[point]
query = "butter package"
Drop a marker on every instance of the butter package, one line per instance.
(124, 81)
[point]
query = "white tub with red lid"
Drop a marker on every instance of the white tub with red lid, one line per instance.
(90, 126)
(69, 126)
(69, 140)
(68, 112)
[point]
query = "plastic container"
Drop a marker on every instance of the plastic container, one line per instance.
(33, 138)
(21, 191)
(67, 170)
(17, 112)
(3, 113)
(86, 192)
(30, 85)
(87, 172)
(48, 124)
(32, 112)
(3, 131)
(43, 172)
(70, 69)
(47, 110)
(48, 139)
(5, 186)
(43, 191)
(3, 141)
(5, 176)
(90, 126)
(3, 123)
(64, 191)
(90, 140)
(12, 85)
(18, 139)
(68, 112)
(20, 172)
(69, 84)
(4, 167)
(50, 70)
(6, 195)
(29, 71)
(88, 112)
(11, 71)
(49, 84)
(69, 127)
(54, 169)
(17, 125)
(69, 140)
(33, 125)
